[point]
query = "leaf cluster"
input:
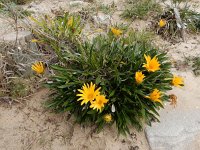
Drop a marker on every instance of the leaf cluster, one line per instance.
(56, 33)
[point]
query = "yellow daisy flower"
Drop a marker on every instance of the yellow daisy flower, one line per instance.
(155, 96)
(139, 77)
(38, 67)
(162, 23)
(99, 102)
(151, 65)
(107, 118)
(88, 93)
(70, 21)
(177, 81)
(116, 32)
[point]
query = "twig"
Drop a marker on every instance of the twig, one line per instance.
(179, 23)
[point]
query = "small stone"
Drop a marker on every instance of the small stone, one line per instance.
(123, 141)
(75, 3)
(102, 18)
(23, 36)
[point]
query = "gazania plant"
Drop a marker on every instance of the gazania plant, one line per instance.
(59, 33)
(112, 80)
(168, 27)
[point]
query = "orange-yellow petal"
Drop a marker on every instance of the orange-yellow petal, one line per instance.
(162, 23)
(139, 77)
(177, 81)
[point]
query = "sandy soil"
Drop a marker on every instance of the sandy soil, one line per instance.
(28, 125)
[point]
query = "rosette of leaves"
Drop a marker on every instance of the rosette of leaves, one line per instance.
(190, 20)
(111, 63)
(170, 30)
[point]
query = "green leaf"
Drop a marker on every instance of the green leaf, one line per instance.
(98, 80)
(69, 108)
(92, 112)
(63, 86)
(112, 93)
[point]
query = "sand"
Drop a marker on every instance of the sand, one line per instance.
(28, 125)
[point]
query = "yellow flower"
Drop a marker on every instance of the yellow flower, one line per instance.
(107, 117)
(88, 93)
(70, 21)
(99, 102)
(116, 32)
(139, 77)
(34, 40)
(177, 81)
(151, 65)
(162, 22)
(155, 96)
(38, 67)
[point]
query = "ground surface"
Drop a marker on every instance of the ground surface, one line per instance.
(28, 125)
